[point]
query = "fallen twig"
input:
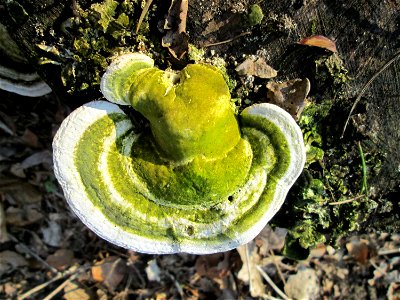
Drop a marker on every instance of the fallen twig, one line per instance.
(228, 40)
(347, 201)
(30, 252)
(177, 285)
(60, 287)
(271, 283)
(277, 267)
(382, 271)
(59, 276)
(364, 88)
(388, 252)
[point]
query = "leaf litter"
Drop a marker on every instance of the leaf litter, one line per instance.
(53, 254)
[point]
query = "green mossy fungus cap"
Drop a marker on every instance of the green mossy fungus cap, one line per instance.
(194, 182)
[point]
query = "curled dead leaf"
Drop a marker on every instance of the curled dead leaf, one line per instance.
(256, 67)
(289, 95)
(215, 267)
(319, 41)
(176, 39)
(271, 239)
(61, 259)
(30, 139)
(393, 292)
(111, 271)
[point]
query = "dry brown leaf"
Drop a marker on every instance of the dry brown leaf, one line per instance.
(73, 291)
(61, 259)
(161, 296)
(10, 289)
(22, 217)
(215, 267)
(214, 26)
(42, 157)
(270, 239)
(289, 95)
(30, 139)
(361, 250)
(303, 285)
(207, 265)
(257, 67)
(23, 193)
(10, 260)
(110, 271)
(176, 39)
(319, 41)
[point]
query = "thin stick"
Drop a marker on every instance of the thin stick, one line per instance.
(39, 287)
(271, 283)
(227, 41)
(388, 252)
(270, 297)
(60, 287)
(30, 252)
(396, 56)
(382, 271)
(346, 201)
(43, 285)
(177, 285)
(277, 267)
(143, 14)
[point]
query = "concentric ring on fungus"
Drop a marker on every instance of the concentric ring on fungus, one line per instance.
(194, 181)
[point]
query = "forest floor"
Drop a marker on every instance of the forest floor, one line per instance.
(47, 253)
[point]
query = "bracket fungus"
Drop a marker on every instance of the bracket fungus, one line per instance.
(16, 75)
(198, 179)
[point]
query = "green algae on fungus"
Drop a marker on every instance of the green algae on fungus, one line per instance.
(194, 181)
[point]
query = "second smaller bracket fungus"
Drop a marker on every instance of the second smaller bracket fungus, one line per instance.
(16, 74)
(195, 181)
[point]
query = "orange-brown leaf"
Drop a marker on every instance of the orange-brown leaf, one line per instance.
(319, 41)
